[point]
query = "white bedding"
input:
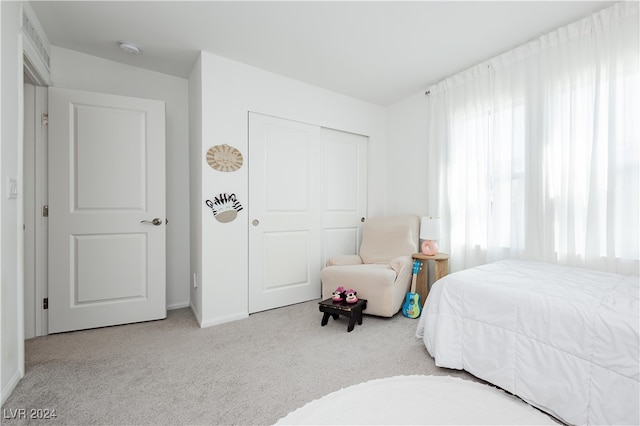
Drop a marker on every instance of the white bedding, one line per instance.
(563, 339)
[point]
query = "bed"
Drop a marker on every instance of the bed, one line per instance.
(566, 340)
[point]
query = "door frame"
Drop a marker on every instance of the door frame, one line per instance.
(36, 168)
(35, 225)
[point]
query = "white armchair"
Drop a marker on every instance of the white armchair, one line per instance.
(381, 271)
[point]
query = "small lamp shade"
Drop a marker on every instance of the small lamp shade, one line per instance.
(429, 232)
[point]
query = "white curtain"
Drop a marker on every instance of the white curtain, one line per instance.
(535, 153)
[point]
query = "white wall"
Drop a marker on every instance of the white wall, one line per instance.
(409, 186)
(195, 183)
(11, 340)
(229, 91)
(413, 187)
(74, 70)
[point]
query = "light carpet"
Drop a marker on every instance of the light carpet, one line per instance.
(417, 400)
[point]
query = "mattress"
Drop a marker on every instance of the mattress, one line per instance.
(564, 339)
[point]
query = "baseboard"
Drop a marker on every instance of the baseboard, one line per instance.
(178, 306)
(6, 392)
(222, 320)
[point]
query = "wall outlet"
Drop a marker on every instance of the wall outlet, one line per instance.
(195, 280)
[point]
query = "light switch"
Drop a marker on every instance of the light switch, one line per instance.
(12, 188)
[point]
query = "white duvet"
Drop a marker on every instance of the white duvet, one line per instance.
(563, 339)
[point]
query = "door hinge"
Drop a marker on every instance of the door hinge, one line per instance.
(45, 303)
(45, 211)
(45, 118)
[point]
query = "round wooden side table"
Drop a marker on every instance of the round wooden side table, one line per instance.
(422, 282)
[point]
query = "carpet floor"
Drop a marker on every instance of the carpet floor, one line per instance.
(251, 371)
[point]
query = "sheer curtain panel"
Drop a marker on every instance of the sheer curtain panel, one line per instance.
(535, 153)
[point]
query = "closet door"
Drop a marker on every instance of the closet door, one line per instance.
(285, 248)
(344, 178)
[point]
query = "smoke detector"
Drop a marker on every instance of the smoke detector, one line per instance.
(129, 47)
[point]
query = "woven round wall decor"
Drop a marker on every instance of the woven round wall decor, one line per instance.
(224, 158)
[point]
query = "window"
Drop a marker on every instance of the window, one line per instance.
(541, 149)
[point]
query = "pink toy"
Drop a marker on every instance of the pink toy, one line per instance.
(351, 296)
(338, 295)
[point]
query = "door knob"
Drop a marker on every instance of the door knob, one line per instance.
(156, 221)
(255, 222)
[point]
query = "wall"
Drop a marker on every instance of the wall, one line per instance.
(409, 188)
(74, 70)
(229, 91)
(413, 187)
(11, 340)
(195, 184)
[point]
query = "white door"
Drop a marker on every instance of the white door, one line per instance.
(106, 210)
(344, 179)
(284, 212)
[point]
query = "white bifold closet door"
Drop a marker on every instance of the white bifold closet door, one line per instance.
(307, 200)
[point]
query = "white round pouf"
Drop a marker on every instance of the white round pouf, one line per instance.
(417, 400)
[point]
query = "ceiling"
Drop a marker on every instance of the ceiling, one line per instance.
(380, 51)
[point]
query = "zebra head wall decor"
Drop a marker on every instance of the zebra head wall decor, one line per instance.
(225, 207)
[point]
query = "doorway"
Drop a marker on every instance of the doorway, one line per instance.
(112, 276)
